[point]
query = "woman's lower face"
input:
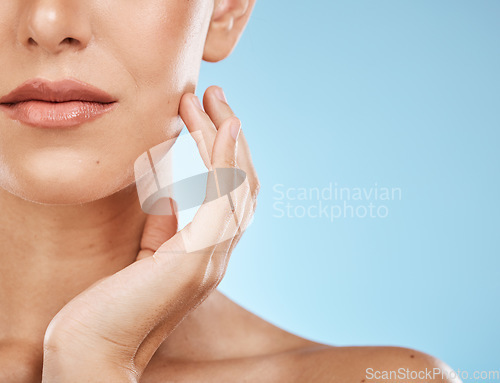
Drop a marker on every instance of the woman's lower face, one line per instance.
(145, 53)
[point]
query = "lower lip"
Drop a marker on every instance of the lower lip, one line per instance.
(56, 114)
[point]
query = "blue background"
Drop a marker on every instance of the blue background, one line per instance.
(396, 93)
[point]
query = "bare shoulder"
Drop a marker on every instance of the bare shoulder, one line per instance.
(367, 364)
(315, 364)
(223, 342)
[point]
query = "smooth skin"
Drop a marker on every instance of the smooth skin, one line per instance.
(94, 290)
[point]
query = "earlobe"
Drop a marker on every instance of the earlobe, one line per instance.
(226, 26)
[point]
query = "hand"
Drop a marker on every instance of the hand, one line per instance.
(111, 330)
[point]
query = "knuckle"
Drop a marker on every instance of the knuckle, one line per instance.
(231, 120)
(230, 163)
(217, 275)
(212, 281)
(212, 277)
(196, 271)
(254, 208)
(255, 188)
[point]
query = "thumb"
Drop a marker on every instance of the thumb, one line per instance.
(158, 228)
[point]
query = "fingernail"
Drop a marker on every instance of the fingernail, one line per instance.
(219, 93)
(197, 103)
(235, 129)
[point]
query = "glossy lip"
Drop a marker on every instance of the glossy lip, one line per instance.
(58, 104)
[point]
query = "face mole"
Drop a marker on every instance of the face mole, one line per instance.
(97, 162)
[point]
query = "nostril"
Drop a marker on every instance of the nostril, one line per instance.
(70, 41)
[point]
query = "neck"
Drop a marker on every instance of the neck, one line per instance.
(50, 253)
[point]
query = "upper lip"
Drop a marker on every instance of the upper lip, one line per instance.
(56, 91)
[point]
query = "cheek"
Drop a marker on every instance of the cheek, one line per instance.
(156, 48)
(159, 43)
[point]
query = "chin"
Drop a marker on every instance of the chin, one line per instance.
(65, 182)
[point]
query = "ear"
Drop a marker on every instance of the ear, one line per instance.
(228, 22)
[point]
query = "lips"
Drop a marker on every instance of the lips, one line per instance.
(64, 103)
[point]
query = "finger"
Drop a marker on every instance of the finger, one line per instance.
(219, 217)
(199, 125)
(158, 229)
(242, 216)
(242, 223)
(218, 110)
(216, 106)
(247, 218)
(224, 153)
(225, 145)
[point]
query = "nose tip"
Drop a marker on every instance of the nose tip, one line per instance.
(55, 26)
